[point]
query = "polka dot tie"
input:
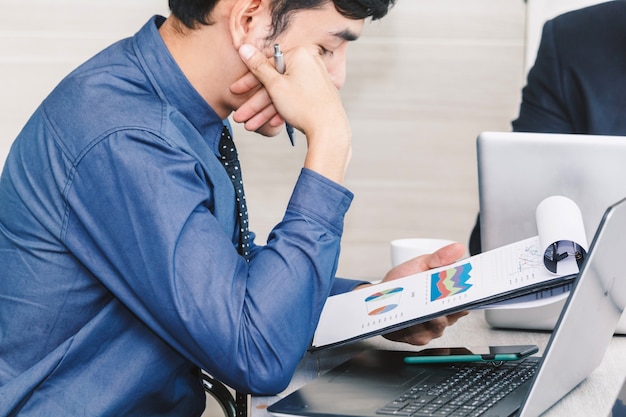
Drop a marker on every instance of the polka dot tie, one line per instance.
(230, 161)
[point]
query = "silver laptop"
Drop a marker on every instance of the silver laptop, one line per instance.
(378, 383)
(516, 171)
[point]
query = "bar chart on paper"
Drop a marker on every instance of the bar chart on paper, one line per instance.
(449, 282)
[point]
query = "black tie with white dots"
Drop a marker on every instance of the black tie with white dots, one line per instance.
(230, 161)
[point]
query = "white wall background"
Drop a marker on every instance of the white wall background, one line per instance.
(422, 83)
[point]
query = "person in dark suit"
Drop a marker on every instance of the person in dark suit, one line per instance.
(578, 81)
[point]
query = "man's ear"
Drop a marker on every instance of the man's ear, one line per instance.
(247, 16)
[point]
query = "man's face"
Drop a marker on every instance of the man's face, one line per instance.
(322, 31)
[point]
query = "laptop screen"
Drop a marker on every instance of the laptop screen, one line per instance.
(589, 318)
(516, 171)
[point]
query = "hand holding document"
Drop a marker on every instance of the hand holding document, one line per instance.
(534, 268)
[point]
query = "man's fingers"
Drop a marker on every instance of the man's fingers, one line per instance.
(258, 102)
(245, 84)
(260, 118)
(453, 318)
(423, 333)
(445, 256)
(277, 120)
(258, 111)
(258, 64)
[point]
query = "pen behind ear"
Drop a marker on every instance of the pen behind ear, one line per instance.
(279, 61)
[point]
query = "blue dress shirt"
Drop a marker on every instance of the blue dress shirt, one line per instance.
(120, 274)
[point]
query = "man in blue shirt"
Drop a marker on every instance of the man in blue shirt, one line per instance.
(119, 229)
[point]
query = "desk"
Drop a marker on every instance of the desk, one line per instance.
(593, 397)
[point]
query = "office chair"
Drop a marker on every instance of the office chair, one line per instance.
(219, 391)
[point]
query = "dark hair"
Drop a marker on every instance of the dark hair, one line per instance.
(194, 12)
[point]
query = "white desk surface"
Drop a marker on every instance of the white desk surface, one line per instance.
(593, 397)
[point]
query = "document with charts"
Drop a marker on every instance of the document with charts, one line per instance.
(540, 266)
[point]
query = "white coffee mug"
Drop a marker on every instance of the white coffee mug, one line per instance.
(404, 249)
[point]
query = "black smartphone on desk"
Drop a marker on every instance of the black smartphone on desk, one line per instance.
(471, 354)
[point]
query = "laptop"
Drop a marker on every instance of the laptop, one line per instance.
(372, 383)
(516, 171)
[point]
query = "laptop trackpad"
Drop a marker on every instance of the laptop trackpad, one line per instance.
(359, 387)
(380, 368)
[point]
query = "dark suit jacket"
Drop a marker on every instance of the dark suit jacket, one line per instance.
(578, 81)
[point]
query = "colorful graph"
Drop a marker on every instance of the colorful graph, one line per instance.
(450, 282)
(383, 301)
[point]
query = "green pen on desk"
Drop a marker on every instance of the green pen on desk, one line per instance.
(279, 61)
(471, 354)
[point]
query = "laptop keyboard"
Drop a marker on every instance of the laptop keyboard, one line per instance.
(469, 392)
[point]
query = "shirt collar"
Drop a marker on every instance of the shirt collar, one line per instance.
(171, 84)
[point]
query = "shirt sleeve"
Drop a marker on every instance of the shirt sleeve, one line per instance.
(141, 221)
(342, 285)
